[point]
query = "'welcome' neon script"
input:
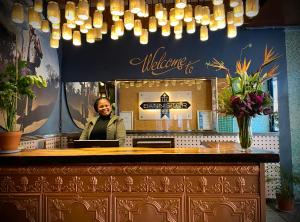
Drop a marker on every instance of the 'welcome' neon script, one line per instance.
(157, 63)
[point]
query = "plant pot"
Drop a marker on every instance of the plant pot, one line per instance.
(9, 141)
(284, 203)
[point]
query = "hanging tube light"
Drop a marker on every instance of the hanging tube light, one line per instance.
(70, 11)
(252, 8)
(203, 33)
(17, 14)
(76, 38)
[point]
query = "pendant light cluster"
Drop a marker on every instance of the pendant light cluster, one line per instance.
(79, 18)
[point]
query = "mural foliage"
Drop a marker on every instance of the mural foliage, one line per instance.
(28, 44)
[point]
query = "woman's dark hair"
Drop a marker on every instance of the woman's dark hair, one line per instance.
(97, 101)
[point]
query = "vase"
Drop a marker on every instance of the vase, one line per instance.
(245, 131)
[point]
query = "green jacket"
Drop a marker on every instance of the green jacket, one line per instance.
(115, 129)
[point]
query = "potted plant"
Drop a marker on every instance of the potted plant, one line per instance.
(284, 192)
(14, 85)
(284, 189)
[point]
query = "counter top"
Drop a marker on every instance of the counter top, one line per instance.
(211, 152)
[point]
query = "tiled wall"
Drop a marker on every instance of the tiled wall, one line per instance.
(293, 76)
(264, 141)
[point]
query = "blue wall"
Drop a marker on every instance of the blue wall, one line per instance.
(109, 60)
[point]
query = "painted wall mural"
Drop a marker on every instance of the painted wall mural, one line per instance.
(25, 43)
(80, 99)
(81, 96)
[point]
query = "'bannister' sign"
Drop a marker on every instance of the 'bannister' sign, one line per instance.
(158, 63)
(162, 105)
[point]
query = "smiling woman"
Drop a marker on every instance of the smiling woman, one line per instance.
(106, 126)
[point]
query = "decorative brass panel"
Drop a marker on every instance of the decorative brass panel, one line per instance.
(20, 208)
(186, 169)
(145, 208)
(173, 193)
(215, 209)
(90, 207)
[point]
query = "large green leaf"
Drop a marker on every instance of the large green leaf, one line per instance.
(236, 85)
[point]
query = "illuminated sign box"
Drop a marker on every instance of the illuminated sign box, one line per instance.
(165, 105)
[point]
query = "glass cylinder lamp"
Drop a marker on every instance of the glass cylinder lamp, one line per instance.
(144, 37)
(66, 32)
(34, 18)
(76, 38)
(252, 8)
(178, 28)
(230, 17)
(137, 30)
(159, 11)
(179, 13)
(54, 43)
(166, 30)
(198, 12)
(119, 26)
(71, 24)
(238, 11)
(56, 34)
(45, 26)
(238, 21)
(98, 34)
(206, 16)
(180, 3)
(90, 36)
(135, 6)
(191, 26)
(100, 5)
(128, 20)
(83, 9)
(231, 31)
(203, 33)
(178, 35)
(217, 2)
(219, 12)
(233, 3)
(98, 19)
(17, 13)
(113, 33)
(38, 6)
(88, 23)
(152, 24)
(70, 11)
(53, 12)
(188, 13)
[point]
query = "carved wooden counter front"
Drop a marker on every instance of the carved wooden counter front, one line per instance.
(142, 184)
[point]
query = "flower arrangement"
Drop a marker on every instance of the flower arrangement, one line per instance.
(244, 97)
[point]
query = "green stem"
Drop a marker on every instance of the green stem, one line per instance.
(245, 132)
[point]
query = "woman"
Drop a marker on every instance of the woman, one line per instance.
(105, 126)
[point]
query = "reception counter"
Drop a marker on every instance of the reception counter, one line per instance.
(219, 182)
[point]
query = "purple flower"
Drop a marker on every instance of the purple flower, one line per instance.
(257, 99)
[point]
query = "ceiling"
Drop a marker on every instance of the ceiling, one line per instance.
(277, 13)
